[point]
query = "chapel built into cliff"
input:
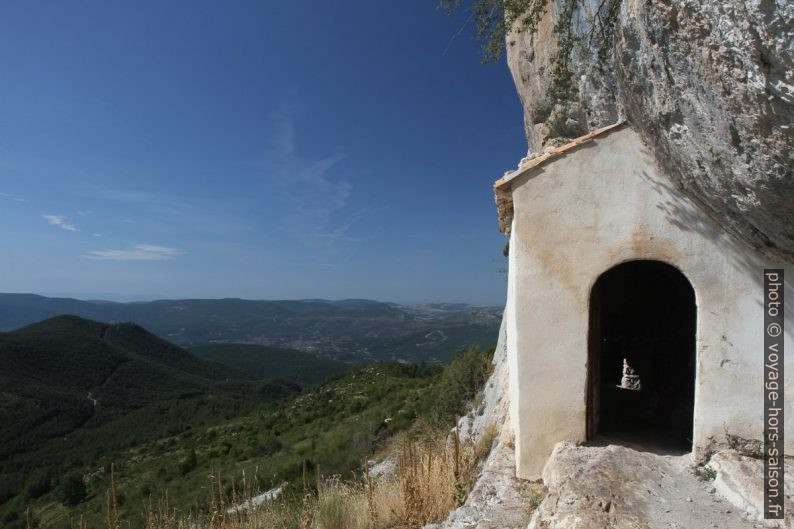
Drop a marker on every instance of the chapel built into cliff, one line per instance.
(632, 316)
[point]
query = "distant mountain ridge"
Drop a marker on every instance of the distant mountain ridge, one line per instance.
(353, 330)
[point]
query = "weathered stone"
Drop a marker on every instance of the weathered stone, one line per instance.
(740, 480)
(708, 85)
(498, 499)
(619, 488)
(380, 470)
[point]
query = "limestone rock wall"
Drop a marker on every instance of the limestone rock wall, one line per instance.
(494, 410)
(708, 85)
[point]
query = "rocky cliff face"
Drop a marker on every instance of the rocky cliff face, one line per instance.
(708, 85)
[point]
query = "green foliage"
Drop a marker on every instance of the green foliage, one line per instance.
(76, 391)
(334, 425)
(486, 441)
(747, 447)
(271, 362)
(188, 463)
(274, 390)
(495, 19)
(461, 492)
(562, 86)
(459, 383)
(535, 499)
(704, 473)
(74, 491)
(168, 438)
(38, 484)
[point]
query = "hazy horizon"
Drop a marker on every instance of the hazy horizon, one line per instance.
(143, 298)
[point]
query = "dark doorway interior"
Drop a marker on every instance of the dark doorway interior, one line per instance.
(641, 361)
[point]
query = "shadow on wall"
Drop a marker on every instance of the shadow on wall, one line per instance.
(692, 217)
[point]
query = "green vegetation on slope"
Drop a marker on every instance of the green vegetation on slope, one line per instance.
(75, 390)
(271, 362)
(78, 395)
(333, 426)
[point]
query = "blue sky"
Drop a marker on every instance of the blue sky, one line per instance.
(264, 150)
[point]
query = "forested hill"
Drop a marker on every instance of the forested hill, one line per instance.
(265, 362)
(78, 395)
(90, 387)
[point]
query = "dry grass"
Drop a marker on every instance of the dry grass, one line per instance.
(341, 506)
(537, 493)
(434, 476)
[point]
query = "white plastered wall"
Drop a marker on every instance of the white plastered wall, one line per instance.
(576, 217)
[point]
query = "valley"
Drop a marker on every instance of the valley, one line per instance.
(350, 331)
(81, 396)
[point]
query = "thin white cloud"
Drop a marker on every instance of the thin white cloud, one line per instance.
(314, 196)
(97, 234)
(340, 232)
(12, 197)
(158, 201)
(61, 222)
(139, 252)
(168, 212)
(84, 213)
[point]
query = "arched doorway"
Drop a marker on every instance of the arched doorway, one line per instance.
(641, 358)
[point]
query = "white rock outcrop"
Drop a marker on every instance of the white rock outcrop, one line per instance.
(739, 480)
(617, 487)
(708, 85)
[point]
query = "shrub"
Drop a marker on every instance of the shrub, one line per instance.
(459, 383)
(188, 463)
(746, 447)
(37, 485)
(74, 491)
(705, 473)
(536, 496)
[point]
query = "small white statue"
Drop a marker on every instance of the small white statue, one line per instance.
(630, 379)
